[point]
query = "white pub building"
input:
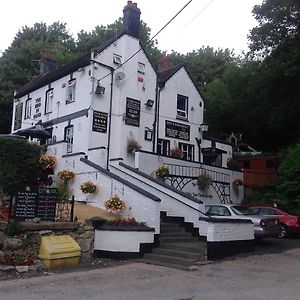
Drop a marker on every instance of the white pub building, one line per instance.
(112, 98)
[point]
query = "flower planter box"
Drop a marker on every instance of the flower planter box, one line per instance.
(121, 242)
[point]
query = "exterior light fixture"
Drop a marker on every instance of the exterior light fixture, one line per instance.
(149, 103)
(100, 90)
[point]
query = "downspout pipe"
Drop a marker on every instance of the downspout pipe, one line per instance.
(109, 118)
(154, 149)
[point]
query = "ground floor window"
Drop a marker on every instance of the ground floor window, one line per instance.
(69, 133)
(187, 151)
(163, 147)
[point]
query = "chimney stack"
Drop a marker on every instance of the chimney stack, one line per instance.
(47, 63)
(131, 19)
(164, 63)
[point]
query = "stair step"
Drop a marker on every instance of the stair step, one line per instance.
(170, 225)
(188, 247)
(177, 239)
(169, 259)
(171, 229)
(177, 253)
(175, 234)
(169, 265)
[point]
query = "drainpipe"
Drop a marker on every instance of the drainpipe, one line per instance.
(154, 149)
(109, 121)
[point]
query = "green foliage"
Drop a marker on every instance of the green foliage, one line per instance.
(63, 191)
(18, 165)
(13, 227)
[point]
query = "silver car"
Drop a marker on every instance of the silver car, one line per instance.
(263, 226)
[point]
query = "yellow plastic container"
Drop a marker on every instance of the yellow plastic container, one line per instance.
(59, 251)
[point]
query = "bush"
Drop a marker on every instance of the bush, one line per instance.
(19, 165)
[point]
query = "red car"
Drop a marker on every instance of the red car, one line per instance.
(289, 223)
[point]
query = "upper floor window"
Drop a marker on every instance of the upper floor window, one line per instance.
(141, 68)
(71, 91)
(49, 101)
(187, 151)
(182, 107)
(163, 147)
(28, 105)
(117, 59)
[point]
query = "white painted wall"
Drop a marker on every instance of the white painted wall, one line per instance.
(121, 241)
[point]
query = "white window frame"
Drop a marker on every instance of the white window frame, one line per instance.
(141, 68)
(71, 91)
(182, 113)
(28, 108)
(69, 137)
(49, 102)
(117, 59)
(188, 151)
(163, 147)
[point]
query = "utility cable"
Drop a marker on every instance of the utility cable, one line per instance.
(135, 53)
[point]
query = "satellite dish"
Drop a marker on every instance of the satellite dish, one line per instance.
(120, 76)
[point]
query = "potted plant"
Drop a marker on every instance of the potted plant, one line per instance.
(114, 204)
(47, 162)
(236, 183)
(66, 175)
(176, 152)
(88, 187)
(204, 181)
(162, 172)
(133, 145)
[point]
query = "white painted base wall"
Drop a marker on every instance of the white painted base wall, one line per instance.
(121, 241)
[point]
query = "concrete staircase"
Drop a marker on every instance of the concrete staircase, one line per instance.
(178, 248)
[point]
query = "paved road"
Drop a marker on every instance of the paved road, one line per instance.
(273, 272)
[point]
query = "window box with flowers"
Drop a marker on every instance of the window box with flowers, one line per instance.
(162, 172)
(88, 187)
(204, 181)
(48, 162)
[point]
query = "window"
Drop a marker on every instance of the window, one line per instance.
(187, 151)
(117, 59)
(69, 132)
(270, 164)
(141, 68)
(71, 91)
(182, 107)
(28, 104)
(216, 210)
(49, 101)
(163, 147)
(269, 212)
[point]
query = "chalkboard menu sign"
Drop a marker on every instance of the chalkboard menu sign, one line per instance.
(41, 204)
(133, 111)
(99, 121)
(26, 204)
(18, 116)
(177, 130)
(46, 208)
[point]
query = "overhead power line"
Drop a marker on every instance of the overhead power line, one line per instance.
(135, 53)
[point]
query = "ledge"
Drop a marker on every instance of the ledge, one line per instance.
(49, 226)
(125, 228)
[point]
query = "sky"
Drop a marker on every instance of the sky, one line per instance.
(215, 23)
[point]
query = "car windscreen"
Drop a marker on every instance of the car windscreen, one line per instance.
(242, 210)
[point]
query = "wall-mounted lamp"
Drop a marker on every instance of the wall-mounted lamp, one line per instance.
(203, 127)
(149, 103)
(100, 90)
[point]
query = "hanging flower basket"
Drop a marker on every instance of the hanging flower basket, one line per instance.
(203, 182)
(162, 172)
(66, 175)
(236, 183)
(47, 161)
(176, 152)
(133, 145)
(114, 204)
(88, 187)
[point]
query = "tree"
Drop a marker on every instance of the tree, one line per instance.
(18, 165)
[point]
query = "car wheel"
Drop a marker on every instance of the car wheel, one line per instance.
(283, 231)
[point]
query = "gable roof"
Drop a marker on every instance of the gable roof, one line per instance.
(164, 76)
(42, 80)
